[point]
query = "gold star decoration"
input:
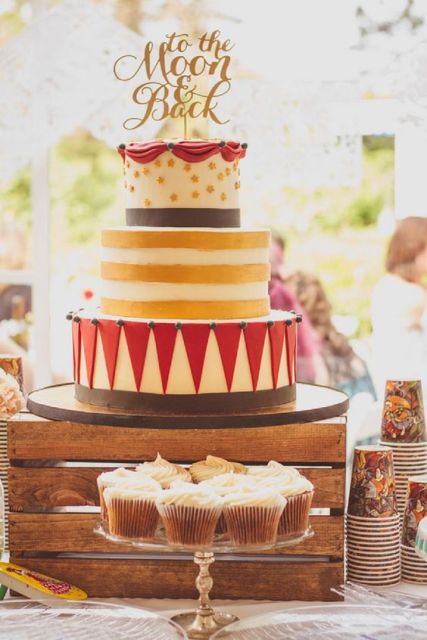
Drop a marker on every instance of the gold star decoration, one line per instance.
(173, 197)
(147, 202)
(187, 167)
(220, 176)
(212, 165)
(227, 171)
(126, 185)
(146, 171)
(195, 194)
(237, 185)
(160, 179)
(131, 187)
(194, 178)
(171, 162)
(136, 174)
(223, 196)
(235, 166)
(210, 188)
(158, 162)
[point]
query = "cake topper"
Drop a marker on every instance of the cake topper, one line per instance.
(183, 77)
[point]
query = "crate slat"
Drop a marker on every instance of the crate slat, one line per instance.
(320, 442)
(144, 578)
(73, 533)
(45, 488)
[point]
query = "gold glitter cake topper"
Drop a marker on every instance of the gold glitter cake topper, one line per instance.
(180, 78)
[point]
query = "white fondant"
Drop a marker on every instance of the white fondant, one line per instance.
(180, 377)
(184, 256)
(213, 377)
(143, 189)
(159, 291)
(275, 315)
(100, 375)
(151, 379)
(124, 378)
(242, 380)
(265, 380)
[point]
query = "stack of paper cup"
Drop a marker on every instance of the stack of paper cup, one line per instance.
(403, 429)
(414, 568)
(372, 523)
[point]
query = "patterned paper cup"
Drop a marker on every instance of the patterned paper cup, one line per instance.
(13, 366)
(403, 412)
(415, 509)
(372, 493)
(364, 546)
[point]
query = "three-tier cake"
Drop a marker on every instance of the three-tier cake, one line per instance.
(185, 322)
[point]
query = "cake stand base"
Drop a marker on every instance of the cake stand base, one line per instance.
(204, 621)
(198, 626)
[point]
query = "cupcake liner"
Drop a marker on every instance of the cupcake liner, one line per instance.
(252, 525)
(295, 516)
(221, 525)
(104, 512)
(190, 526)
(136, 518)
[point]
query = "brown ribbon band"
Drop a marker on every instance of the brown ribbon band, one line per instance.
(183, 217)
(186, 403)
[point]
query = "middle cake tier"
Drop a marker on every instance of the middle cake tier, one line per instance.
(187, 273)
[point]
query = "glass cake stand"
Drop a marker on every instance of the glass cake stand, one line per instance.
(204, 621)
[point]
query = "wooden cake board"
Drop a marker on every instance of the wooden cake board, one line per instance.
(313, 403)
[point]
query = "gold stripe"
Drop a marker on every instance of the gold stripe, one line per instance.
(187, 310)
(182, 273)
(202, 240)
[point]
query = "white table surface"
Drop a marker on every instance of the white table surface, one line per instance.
(246, 608)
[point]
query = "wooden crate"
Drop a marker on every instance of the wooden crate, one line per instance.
(52, 465)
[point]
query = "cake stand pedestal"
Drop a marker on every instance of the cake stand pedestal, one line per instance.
(204, 621)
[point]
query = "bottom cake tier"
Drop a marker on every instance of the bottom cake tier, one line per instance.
(188, 367)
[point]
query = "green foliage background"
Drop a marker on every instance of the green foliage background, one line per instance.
(340, 240)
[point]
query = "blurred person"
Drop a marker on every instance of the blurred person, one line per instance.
(281, 297)
(399, 306)
(343, 368)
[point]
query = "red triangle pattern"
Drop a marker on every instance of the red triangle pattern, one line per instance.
(76, 350)
(276, 334)
(228, 338)
(196, 338)
(254, 340)
(165, 337)
(110, 336)
(291, 341)
(89, 333)
(137, 334)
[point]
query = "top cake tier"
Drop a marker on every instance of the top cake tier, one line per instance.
(186, 183)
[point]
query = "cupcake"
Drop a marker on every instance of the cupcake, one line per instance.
(109, 479)
(132, 513)
(299, 494)
(271, 471)
(293, 486)
(189, 514)
(227, 483)
(163, 471)
(214, 466)
(252, 518)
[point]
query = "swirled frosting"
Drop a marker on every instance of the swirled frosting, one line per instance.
(187, 150)
(190, 496)
(287, 480)
(160, 469)
(127, 494)
(272, 470)
(140, 481)
(229, 482)
(214, 466)
(110, 478)
(259, 498)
